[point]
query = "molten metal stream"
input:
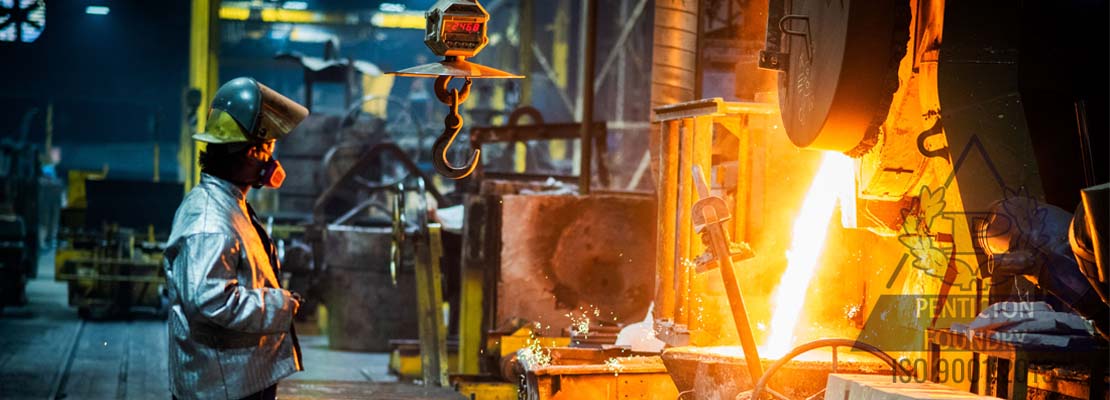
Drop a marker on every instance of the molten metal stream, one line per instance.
(834, 180)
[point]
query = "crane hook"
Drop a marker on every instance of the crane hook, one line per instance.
(452, 124)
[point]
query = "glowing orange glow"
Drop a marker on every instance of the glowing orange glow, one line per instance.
(835, 180)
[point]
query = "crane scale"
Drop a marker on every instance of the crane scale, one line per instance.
(456, 30)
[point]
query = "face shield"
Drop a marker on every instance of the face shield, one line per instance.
(244, 110)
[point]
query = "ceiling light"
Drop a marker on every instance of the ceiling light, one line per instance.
(392, 7)
(295, 5)
(97, 10)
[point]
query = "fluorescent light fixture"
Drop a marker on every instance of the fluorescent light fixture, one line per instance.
(97, 10)
(392, 7)
(406, 20)
(310, 34)
(295, 5)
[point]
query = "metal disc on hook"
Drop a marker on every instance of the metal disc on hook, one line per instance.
(455, 68)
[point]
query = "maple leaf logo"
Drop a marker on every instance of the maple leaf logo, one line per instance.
(922, 226)
(918, 230)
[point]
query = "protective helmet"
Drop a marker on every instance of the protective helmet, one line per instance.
(244, 110)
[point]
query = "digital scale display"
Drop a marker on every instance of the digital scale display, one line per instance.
(463, 35)
(462, 27)
(456, 28)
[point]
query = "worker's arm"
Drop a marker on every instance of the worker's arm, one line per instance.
(213, 291)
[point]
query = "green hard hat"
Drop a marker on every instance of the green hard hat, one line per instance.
(244, 110)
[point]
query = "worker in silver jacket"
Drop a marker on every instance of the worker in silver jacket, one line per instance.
(230, 326)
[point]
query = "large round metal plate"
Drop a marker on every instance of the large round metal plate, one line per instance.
(455, 67)
(843, 70)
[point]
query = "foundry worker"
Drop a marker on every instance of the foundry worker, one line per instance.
(230, 323)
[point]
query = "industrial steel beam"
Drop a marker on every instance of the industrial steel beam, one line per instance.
(552, 76)
(587, 93)
(618, 47)
(203, 75)
(429, 300)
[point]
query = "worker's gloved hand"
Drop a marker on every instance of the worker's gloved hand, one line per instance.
(297, 301)
(1017, 263)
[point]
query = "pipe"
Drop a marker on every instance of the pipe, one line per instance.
(674, 60)
(673, 71)
(587, 93)
(527, 10)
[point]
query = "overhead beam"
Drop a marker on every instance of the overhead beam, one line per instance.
(618, 47)
(552, 76)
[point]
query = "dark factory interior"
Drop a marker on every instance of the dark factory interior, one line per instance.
(554, 199)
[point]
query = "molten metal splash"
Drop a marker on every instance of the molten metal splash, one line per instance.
(834, 181)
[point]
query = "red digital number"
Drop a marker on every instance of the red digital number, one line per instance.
(460, 27)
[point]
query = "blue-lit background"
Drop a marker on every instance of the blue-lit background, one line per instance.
(117, 81)
(115, 71)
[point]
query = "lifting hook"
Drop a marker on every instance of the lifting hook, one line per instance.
(452, 124)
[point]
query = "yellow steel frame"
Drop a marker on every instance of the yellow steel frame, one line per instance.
(203, 75)
(470, 321)
(429, 302)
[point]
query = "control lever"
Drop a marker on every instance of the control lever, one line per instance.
(710, 214)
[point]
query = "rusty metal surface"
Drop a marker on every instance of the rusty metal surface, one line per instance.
(597, 336)
(722, 372)
(645, 386)
(598, 374)
(842, 70)
(564, 254)
(365, 310)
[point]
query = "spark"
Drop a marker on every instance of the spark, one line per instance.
(614, 364)
(533, 355)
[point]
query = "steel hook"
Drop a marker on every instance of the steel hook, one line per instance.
(452, 124)
(444, 94)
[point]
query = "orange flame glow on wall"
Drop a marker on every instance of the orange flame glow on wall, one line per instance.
(835, 180)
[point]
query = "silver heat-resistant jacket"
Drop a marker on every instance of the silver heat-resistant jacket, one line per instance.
(230, 323)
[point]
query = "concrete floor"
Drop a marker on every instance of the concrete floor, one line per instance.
(46, 351)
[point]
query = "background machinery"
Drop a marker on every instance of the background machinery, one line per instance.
(946, 109)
